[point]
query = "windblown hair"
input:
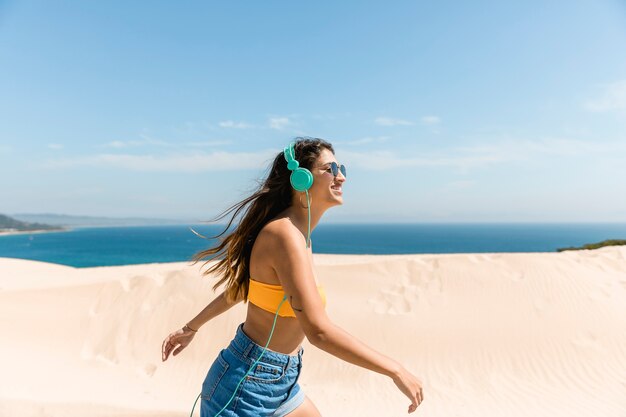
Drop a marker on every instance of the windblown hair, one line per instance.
(272, 197)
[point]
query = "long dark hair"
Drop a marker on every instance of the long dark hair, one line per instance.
(273, 195)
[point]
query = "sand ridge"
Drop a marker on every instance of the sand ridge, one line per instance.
(515, 334)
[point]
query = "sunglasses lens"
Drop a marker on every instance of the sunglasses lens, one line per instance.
(335, 169)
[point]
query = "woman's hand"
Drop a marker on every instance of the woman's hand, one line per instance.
(411, 387)
(181, 337)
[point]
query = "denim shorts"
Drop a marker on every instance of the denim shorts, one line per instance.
(270, 389)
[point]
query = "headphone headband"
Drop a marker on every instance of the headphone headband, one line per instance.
(290, 157)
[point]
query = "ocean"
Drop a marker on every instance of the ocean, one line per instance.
(106, 246)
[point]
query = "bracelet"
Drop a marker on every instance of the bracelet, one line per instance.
(187, 326)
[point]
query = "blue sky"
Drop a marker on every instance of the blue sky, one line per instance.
(443, 111)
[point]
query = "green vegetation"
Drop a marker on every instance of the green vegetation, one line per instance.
(9, 224)
(610, 242)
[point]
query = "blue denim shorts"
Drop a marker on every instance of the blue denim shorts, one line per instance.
(270, 389)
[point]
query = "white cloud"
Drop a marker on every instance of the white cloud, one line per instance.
(279, 123)
(194, 128)
(235, 125)
(483, 154)
(613, 98)
(526, 148)
(388, 121)
(55, 146)
(145, 141)
(386, 160)
(192, 162)
(208, 143)
(430, 120)
(461, 157)
(115, 144)
(363, 141)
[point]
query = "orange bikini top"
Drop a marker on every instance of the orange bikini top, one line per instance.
(268, 297)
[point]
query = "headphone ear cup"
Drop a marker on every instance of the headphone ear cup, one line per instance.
(301, 179)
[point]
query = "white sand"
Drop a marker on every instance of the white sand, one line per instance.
(7, 232)
(541, 334)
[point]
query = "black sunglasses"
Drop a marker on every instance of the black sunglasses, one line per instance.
(335, 169)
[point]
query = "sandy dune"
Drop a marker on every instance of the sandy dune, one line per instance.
(541, 334)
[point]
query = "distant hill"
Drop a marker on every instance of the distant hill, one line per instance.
(610, 242)
(10, 224)
(92, 221)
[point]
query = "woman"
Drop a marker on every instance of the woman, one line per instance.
(269, 261)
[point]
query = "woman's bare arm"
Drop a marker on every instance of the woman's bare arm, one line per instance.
(343, 345)
(212, 310)
(295, 272)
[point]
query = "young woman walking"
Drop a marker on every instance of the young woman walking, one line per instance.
(269, 262)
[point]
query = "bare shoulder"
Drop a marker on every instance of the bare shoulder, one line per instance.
(279, 231)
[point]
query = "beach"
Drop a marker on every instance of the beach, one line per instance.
(5, 232)
(490, 334)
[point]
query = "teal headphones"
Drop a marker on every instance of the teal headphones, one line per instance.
(301, 180)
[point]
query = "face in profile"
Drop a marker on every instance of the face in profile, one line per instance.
(328, 187)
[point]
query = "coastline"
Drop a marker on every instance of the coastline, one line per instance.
(28, 232)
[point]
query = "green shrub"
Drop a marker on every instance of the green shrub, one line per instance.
(610, 242)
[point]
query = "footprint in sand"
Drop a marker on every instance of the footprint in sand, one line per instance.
(589, 340)
(475, 259)
(159, 279)
(431, 265)
(420, 279)
(541, 303)
(397, 301)
(107, 360)
(86, 353)
(130, 283)
(148, 370)
(517, 276)
(478, 258)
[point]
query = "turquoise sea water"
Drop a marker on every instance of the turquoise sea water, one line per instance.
(86, 247)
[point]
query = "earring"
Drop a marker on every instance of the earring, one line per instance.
(300, 198)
